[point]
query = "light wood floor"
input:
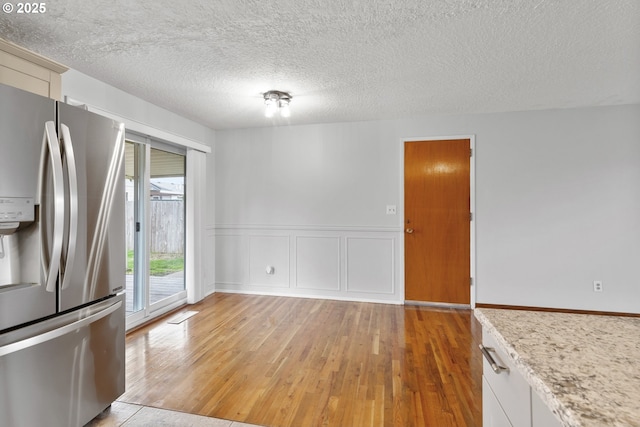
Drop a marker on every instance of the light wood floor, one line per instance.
(292, 362)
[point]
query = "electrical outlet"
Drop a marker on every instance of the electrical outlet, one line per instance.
(597, 286)
(391, 209)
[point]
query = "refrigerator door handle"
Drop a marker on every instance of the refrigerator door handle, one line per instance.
(72, 174)
(50, 263)
(106, 202)
(56, 333)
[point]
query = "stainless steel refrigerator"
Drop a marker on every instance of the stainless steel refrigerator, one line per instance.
(62, 262)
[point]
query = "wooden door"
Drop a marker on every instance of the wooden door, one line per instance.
(437, 215)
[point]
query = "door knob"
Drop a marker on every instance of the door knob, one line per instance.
(409, 230)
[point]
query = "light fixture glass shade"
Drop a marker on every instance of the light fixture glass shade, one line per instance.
(277, 101)
(271, 109)
(285, 111)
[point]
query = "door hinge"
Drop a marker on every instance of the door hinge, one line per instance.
(470, 216)
(470, 281)
(470, 152)
(137, 226)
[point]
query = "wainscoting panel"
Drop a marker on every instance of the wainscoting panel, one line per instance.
(370, 265)
(344, 263)
(231, 265)
(318, 263)
(269, 261)
(209, 263)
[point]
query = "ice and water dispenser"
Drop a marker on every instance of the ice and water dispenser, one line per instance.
(19, 243)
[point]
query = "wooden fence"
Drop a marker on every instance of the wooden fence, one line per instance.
(167, 226)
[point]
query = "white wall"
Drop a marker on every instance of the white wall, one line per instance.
(324, 175)
(311, 202)
(557, 206)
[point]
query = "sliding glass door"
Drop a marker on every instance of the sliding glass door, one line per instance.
(167, 225)
(134, 164)
(155, 182)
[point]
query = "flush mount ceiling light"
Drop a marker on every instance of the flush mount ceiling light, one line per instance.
(277, 101)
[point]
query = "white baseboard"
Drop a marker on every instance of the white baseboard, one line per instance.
(309, 296)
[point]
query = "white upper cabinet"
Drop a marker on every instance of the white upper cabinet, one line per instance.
(29, 71)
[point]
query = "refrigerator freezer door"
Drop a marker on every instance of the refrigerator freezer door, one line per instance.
(23, 296)
(22, 119)
(70, 367)
(93, 154)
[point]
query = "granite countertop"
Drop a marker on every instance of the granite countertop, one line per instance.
(585, 367)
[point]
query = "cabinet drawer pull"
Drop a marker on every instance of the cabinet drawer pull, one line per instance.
(494, 365)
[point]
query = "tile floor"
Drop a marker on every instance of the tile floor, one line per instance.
(128, 415)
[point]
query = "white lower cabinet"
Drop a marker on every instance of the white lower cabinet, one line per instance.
(541, 415)
(509, 387)
(507, 398)
(492, 413)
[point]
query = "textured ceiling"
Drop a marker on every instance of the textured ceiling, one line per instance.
(345, 60)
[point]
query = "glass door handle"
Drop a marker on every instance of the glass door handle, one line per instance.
(409, 230)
